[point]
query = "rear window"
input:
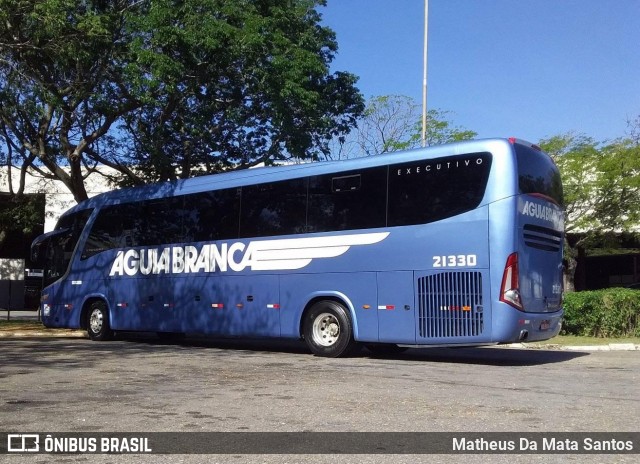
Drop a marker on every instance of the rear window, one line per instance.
(538, 174)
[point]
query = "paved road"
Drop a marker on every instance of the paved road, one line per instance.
(143, 385)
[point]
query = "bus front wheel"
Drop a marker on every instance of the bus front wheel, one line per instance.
(98, 326)
(328, 330)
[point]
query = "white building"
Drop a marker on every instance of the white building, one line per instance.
(58, 197)
(57, 200)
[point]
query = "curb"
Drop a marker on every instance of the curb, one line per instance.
(609, 347)
(52, 334)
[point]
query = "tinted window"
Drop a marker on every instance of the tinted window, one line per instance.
(161, 221)
(355, 200)
(346, 183)
(117, 226)
(431, 190)
(211, 216)
(418, 193)
(277, 208)
(198, 217)
(75, 221)
(147, 223)
(60, 249)
(538, 174)
(58, 253)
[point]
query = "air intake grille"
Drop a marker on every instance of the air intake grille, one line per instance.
(542, 238)
(450, 305)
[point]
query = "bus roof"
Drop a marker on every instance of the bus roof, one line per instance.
(261, 175)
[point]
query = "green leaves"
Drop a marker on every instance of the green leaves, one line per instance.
(618, 183)
(21, 218)
(612, 312)
(601, 182)
(237, 83)
(601, 190)
(169, 88)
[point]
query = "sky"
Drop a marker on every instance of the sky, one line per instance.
(524, 68)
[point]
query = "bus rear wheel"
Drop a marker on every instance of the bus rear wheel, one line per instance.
(98, 327)
(328, 331)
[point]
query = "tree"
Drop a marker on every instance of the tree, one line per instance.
(394, 122)
(244, 83)
(601, 189)
(63, 82)
(169, 88)
(20, 214)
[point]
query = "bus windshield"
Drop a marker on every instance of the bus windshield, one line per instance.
(55, 250)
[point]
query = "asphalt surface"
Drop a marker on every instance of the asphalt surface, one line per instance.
(139, 384)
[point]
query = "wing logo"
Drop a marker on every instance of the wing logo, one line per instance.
(262, 255)
(296, 253)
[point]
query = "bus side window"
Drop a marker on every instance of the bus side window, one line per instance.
(348, 201)
(427, 191)
(162, 221)
(116, 226)
(106, 230)
(277, 208)
(211, 216)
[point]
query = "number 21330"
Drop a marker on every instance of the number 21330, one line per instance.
(455, 261)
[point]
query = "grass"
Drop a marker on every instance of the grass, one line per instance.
(14, 324)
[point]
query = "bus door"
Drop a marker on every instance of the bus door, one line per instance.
(396, 308)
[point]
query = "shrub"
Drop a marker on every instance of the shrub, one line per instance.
(613, 312)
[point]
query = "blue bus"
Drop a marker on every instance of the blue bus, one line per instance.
(459, 244)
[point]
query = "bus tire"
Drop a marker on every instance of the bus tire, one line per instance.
(98, 327)
(328, 330)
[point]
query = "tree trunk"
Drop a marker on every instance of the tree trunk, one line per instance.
(569, 274)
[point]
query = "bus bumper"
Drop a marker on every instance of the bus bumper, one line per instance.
(518, 326)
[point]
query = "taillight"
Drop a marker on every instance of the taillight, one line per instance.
(510, 289)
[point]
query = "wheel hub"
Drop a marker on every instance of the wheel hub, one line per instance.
(326, 329)
(95, 321)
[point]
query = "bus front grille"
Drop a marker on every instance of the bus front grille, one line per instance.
(450, 305)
